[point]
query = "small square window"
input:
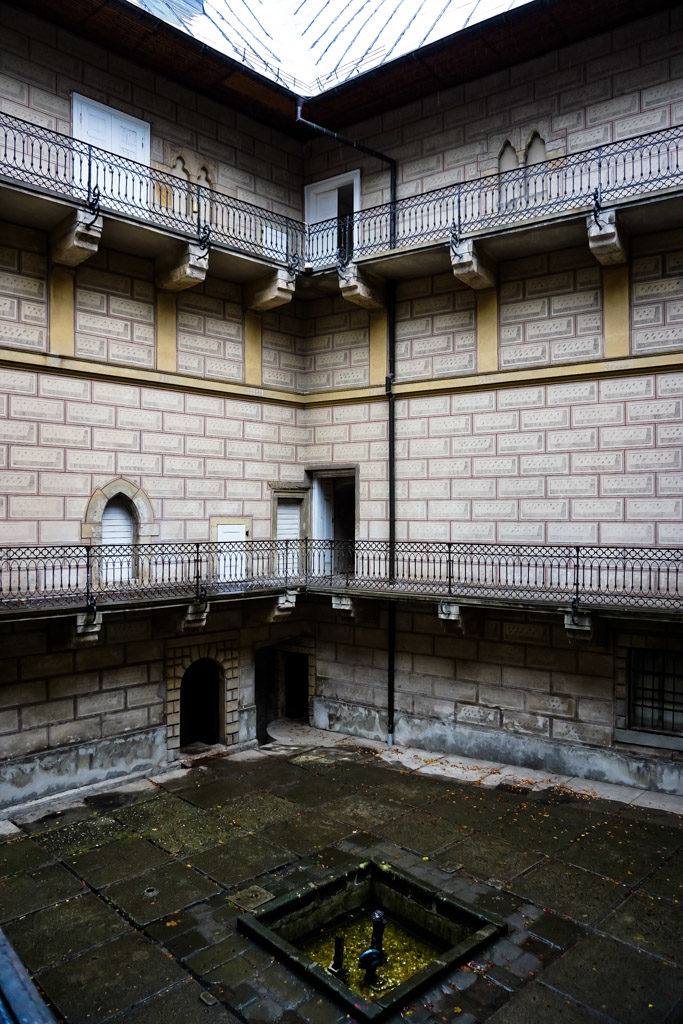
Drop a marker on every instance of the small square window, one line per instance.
(656, 690)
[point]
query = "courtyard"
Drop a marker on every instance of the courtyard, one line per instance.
(124, 905)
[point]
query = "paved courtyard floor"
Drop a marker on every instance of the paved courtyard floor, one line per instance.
(123, 905)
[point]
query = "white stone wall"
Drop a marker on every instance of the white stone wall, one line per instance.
(23, 292)
(114, 310)
(42, 67)
(612, 87)
(550, 310)
(195, 456)
(657, 295)
(436, 328)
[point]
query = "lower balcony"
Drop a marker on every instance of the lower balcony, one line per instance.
(47, 580)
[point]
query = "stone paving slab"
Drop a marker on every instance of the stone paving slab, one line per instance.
(612, 979)
(112, 977)
(536, 1004)
(160, 891)
(173, 824)
(488, 858)
(240, 858)
(307, 831)
(649, 924)
(182, 1004)
(81, 835)
(666, 881)
(579, 894)
(422, 832)
(259, 810)
(22, 855)
(24, 893)
(44, 938)
(117, 860)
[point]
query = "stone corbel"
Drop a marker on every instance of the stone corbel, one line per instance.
(283, 607)
(343, 604)
(182, 267)
(276, 289)
(195, 617)
(76, 238)
(88, 627)
(361, 289)
(472, 267)
(578, 627)
(462, 619)
(606, 240)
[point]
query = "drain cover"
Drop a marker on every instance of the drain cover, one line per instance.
(249, 899)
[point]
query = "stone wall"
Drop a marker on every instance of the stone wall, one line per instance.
(513, 688)
(42, 66)
(604, 89)
(194, 455)
(72, 716)
(23, 291)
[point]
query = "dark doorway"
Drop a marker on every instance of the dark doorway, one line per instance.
(200, 703)
(266, 691)
(295, 668)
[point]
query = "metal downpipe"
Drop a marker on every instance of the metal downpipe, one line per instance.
(391, 433)
(393, 164)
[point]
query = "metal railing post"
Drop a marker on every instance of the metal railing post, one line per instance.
(450, 568)
(88, 579)
(197, 573)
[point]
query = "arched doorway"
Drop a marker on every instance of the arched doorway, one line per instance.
(200, 703)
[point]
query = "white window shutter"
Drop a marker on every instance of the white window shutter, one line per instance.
(118, 527)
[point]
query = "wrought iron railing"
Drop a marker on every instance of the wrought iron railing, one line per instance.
(573, 184)
(564, 576)
(58, 165)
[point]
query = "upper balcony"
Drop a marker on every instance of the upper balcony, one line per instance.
(510, 214)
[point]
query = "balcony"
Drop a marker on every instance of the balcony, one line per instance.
(46, 580)
(560, 192)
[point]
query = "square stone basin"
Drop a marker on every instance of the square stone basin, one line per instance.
(449, 929)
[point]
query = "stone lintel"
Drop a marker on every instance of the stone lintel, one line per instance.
(269, 292)
(472, 267)
(75, 238)
(605, 239)
(183, 267)
(361, 289)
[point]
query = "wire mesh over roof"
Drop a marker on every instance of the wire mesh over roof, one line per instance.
(312, 45)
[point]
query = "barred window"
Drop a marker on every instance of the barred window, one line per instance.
(656, 690)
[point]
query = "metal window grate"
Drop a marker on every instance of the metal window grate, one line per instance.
(656, 690)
